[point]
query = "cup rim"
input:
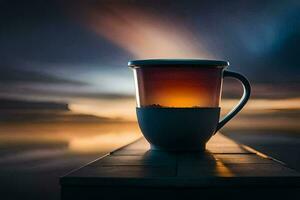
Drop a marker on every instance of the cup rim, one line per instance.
(177, 63)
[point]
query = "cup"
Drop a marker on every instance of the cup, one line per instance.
(178, 101)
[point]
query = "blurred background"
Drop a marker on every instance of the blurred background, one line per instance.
(67, 95)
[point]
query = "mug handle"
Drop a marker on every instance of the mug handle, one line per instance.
(243, 100)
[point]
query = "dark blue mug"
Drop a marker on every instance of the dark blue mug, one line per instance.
(178, 101)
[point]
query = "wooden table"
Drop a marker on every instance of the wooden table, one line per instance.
(226, 169)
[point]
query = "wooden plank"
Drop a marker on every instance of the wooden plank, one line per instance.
(135, 171)
(224, 164)
(136, 160)
(219, 144)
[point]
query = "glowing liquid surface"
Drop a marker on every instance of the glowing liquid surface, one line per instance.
(178, 87)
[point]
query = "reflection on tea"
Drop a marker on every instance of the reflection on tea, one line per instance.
(178, 87)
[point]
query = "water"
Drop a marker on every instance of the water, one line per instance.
(33, 155)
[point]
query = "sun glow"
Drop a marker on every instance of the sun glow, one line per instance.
(266, 104)
(178, 87)
(115, 109)
(125, 110)
(140, 32)
(104, 142)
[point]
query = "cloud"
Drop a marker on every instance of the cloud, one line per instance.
(53, 117)
(140, 32)
(88, 95)
(13, 104)
(61, 94)
(258, 38)
(41, 31)
(13, 110)
(233, 89)
(9, 75)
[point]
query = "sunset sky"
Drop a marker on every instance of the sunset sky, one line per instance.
(77, 51)
(67, 95)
